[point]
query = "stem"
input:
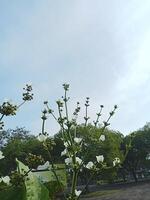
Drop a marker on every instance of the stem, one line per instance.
(86, 110)
(54, 117)
(50, 157)
(20, 104)
(51, 113)
(86, 185)
(1, 117)
(66, 108)
(43, 126)
(27, 172)
(103, 129)
(64, 135)
(98, 116)
(75, 131)
(86, 117)
(74, 180)
(54, 172)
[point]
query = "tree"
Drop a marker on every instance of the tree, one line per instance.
(139, 150)
(110, 149)
(18, 144)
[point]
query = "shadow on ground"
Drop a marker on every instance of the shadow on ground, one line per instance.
(133, 191)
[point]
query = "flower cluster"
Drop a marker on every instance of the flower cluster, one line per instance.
(1, 125)
(17, 179)
(34, 161)
(116, 161)
(27, 95)
(7, 108)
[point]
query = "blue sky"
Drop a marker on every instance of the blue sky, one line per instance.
(100, 47)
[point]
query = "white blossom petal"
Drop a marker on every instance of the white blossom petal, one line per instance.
(89, 165)
(78, 160)
(1, 155)
(6, 179)
(68, 161)
(100, 158)
(43, 167)
(116, 161)
(77, 192)
(148, 157)
(102, 138)
(77, 140)
(42, 138)
(66, 144)
(63, 153)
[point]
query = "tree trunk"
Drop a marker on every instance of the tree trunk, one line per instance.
(134, 175)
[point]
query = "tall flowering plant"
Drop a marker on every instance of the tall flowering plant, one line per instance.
(7, 108)
(73, 144)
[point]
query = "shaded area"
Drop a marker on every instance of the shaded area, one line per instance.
(132, 191)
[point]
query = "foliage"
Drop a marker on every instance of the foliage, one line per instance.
(54, 189)
(13, 193)
(34, 189)
(138, 155)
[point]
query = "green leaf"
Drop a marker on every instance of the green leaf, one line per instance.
(35, 190)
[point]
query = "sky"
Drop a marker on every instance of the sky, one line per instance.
(101, 48)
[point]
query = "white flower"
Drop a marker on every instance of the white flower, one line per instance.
(78, 160)
(68, 161)
(1, 155)
(85, 144)
(5, 179)
(148, 157)
(63, 153)
(89, 165)
(43, 167)
(77, 140)
(116, 161)
(66, 144)
(77, 192)
(102, 138)
(81, 169)
(100, 158)
(42, 137)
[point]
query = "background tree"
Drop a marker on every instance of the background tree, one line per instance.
(140, 148)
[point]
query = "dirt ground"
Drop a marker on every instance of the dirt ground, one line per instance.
(139, 191)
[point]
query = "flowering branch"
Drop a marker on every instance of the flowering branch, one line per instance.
(72, 143)
(43, 138)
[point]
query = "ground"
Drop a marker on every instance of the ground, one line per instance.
(139, 191)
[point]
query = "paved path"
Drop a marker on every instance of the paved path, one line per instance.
(133, 192)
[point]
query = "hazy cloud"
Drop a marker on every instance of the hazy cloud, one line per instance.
(100, 47)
